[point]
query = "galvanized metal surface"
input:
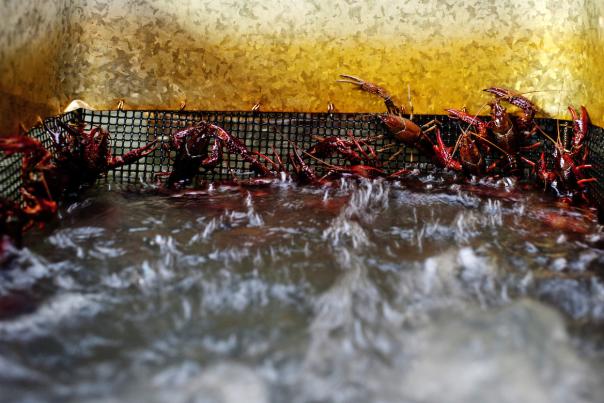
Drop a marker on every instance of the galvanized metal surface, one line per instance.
(286, 54)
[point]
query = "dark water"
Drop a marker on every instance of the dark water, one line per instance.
(365, 291)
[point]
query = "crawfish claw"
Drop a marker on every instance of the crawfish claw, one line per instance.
(465, 117)
(351, 80)
(368, 87)
(372, 89)
(513, 97)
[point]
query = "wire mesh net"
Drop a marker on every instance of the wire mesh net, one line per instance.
(272, 133)
(595, 158)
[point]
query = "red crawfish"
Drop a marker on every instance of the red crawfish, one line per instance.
(525, 120)
(303, 174)
(402, 129)
(405, 130)
(356, 151)
(193, 152)
(546, 176)
(511, 133)
(38, 175)
(580, 129)
(360, 170)
(570, 165)
(83, 155)
(567, 178)
(508, 133)
(471, 157)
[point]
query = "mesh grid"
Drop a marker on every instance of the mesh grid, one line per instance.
(10, 176)
(261, 131)
(595, 157)
(258, 131)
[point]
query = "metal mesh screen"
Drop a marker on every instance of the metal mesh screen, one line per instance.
(261, 131)
(595, 157)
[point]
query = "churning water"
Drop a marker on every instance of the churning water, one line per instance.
(365, 291)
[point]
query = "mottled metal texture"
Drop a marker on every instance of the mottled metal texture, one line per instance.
(33, 37)
(286, 54)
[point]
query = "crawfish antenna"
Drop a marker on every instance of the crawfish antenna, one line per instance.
(410, 102)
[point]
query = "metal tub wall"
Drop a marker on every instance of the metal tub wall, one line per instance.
(286, 54)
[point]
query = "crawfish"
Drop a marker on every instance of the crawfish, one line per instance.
(402, 129)
(352, 150)
(471, 158)
(580, 129)
(363, 171)
(405, 130)
(525, 121)
(548, 177)
(505, 129)
(567, 178)
(303, 173)
(192, 144)
(481, 126)
(83, 155)
(38, 175)
(569, 165)
(443, 154)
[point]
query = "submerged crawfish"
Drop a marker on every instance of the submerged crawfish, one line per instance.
(192, 147)
(81, 155)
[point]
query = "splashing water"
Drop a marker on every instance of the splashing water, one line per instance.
(365, 291)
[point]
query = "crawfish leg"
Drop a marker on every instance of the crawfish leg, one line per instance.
(367, 155)
(277, 165)
(580, 126)
(396, 154)
(132, 156)
(215, 155)
(582, 182)
(431, 125)
(235, 146)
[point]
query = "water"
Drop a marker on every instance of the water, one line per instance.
(363, 291)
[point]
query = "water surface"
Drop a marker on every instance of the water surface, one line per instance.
(414, 291)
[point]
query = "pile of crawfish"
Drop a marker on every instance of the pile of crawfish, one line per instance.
(496, 145)
(80, 156)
